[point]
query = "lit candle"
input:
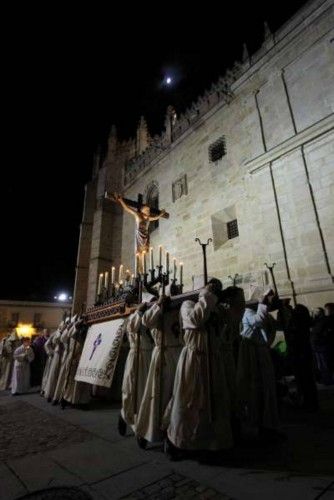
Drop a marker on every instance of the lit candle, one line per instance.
(106, 279)
(113, 275)
(144, 261)
(174, 268)
(151, 255)
(120, 275)
(167, 262)
(127, 275)
(181, 273)
(160, 255)
(137, 264)
(99, 288)
(133, 281)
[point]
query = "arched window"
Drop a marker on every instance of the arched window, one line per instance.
(152, 199)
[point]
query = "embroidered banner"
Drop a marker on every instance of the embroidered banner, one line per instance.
(100, 353)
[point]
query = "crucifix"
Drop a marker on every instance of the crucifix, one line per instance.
(143, 214)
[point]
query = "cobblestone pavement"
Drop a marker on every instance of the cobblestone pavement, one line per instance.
(177, 486)
(58, 494)
(25, 429)
(50, 454)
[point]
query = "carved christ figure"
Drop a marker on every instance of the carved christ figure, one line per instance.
(143, 218)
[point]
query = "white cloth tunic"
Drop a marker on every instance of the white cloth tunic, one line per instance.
(76, 392)
(7, 348)
(49, 348)
(64, 342)
(130, 385)
(256, 384)
(23, 356)
(229, 332)
(55, 366)
(191, 424)
(160, 379)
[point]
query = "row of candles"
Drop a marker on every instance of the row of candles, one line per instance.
(104, 278)
(140, 259)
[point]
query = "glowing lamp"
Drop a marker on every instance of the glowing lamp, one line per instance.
(62, 297)
(25, 330)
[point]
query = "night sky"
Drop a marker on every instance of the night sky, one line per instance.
(67, 77)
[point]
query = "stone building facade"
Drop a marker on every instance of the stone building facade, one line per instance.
(250, 165)
(37, 314)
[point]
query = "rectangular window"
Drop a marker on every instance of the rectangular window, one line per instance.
(217, 149)
(232, 229)
(15, 318)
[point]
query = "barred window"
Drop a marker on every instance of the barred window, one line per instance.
(217, 149)
(232, 229)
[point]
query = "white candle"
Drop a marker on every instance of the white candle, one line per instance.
(127, 275)
(181, 273)
(144, 261)
(136, 264)
(133, 279)
(120, 275)
(174, 268)
(106, 279)
(160, 255)
(99, 288)
(152, 260)
(167, 262)
(113, 275)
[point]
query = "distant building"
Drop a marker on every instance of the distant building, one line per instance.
(250, 164)
(37, 314)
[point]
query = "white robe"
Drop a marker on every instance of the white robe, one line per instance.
(64, 342)
(256, 384)
(55, 366)
(75, 392)
(7, 348)
(49, 348)
(190, 424)
(160, 379)
(129, 385)
(229, 332)
(23, 356)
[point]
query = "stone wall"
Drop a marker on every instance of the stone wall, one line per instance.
(274, 113)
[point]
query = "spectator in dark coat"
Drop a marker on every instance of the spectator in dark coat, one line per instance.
(302, 359)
